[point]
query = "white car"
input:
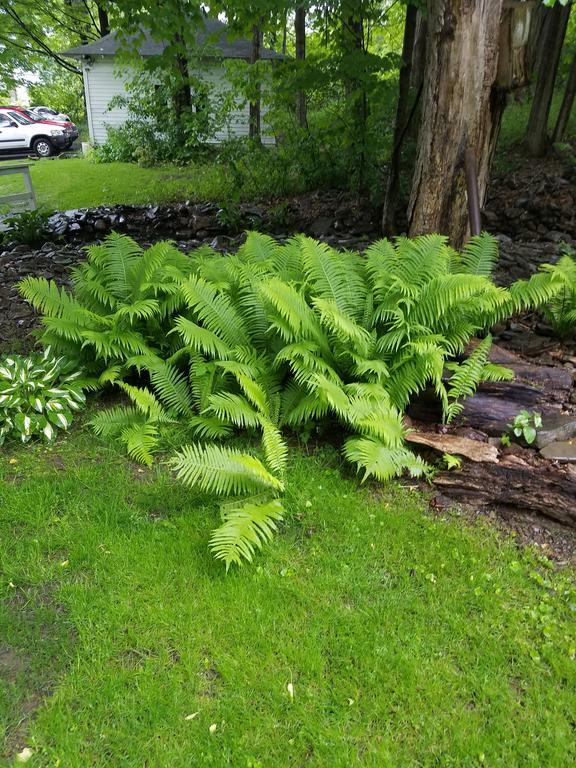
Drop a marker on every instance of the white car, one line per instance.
(50, 114)
(17, 132)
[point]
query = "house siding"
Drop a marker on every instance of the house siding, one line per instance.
(102, 82)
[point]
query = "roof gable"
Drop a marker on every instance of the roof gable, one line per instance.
(213, 37)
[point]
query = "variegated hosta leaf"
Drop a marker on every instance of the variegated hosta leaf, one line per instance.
(37, 396)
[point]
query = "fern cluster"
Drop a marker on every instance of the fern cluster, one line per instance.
(278, 338)
(120, 309)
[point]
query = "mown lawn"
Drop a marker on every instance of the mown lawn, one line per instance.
(62, 184)
(409, 640)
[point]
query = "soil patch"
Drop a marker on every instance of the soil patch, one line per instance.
(32, 657)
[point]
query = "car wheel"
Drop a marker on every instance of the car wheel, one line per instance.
(43, 148)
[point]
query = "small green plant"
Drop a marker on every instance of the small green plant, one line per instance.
(525, 425)
(505, 439)
(560, 310)
(38, 396)
(26, 228)
(230, 217)
(280, 216)
(451, 461)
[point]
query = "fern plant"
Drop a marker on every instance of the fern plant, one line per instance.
(281, 338)
(120, 306)
(560, 310)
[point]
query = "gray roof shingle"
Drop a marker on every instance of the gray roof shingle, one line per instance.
(213, 39)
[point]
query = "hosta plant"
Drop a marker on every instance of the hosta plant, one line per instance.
(38, 396)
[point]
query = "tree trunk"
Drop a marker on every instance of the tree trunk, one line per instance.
(401, 124)
(419, 52)
(551, 41)
(566, 107)
(353, 45)
(300, 32)
(254, 119)
(462, 108)
(103, 21)
(182, 96)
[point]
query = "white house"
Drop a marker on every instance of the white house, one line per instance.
(105, 77)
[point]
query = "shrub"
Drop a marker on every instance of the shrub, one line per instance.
(277, 338)
(26, 228)
(38, 395)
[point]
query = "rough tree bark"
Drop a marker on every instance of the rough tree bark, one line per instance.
(182, 95)
(401, 123)
(300, 33)
(103, 21)
(548, 58)
(353, 45)
(254, 118)
(566, 106)
(462, 107)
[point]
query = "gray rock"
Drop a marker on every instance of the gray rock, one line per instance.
(556, 428)
(564, 451)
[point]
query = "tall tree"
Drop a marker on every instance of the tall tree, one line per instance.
(548, 57)
(462, 107)
(567, 103)
(255, 102)
(300, 41)
(401, 122)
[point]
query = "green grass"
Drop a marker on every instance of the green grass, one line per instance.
(410, 640)
(61, 184)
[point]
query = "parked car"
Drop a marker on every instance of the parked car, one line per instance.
(50, 114)
(44, 137)
(71, 128)
(71, 131)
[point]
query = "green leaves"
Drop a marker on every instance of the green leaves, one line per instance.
(223, 471)
(38, 395)
(244, 530)
(278, 338)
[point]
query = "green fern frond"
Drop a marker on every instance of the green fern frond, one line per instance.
(244, 530)
(258, 248)
(342, 325)
(215, 311)
(209, 427)
(142, 309)
(141, 441)
(172, 388)
(380, 461)
(228, 406)
(479, 255)
(201, 339)
(223, 471)
(333, 276)
(145, 402)
(291, 307)
(275, 449)
(111, 422)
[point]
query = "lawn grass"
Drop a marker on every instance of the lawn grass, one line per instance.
(62, 184)
(409, 640)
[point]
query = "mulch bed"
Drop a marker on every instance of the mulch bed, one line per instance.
(533, 210)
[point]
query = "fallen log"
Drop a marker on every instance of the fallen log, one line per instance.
(543, 489)
(541, 388)
(475, 450)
